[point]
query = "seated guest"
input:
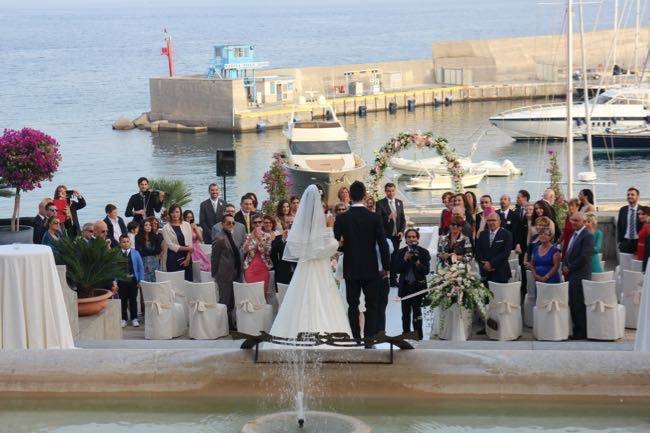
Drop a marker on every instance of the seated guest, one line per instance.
(115, 224)
(178, 237)
(545, 259)
(128, 288)
(413, 264)
(197, 238)
(493, 248)
(455, 246)
(643, 244)
(591, 223)
(567, 233)
(238, 232)
(149, 245)
(67, 209)
(132, 229)
(226, 265)
(39, 220)
(283, 269)
(53, 234)
(256, 252)
(87, 232)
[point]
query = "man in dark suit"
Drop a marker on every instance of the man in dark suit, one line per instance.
(144, 203)
(493, 250)
(520, 236)
(211, 212)
(283, 269)
(238, 232)
(39, 220)
(628, 223)
(485, 202)
(509, 218)
(361, 231)
(391, 211)
(115, 225)
(245, 213)
(226, 266)
(577, 264)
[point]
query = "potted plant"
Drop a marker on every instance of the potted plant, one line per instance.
(27, 158)
(91, 267)
(457, 291)
(176, 191)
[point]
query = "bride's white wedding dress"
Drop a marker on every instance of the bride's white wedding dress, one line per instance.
(642, 339)
(312, 302)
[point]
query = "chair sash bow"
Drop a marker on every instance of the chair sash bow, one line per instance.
(600, 306)
(158, 307)
(200, 306)
(553, 304)
(635, 295)
(505, 307)
(248, 306)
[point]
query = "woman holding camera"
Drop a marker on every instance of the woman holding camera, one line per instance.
(413, 264)
(66, 209)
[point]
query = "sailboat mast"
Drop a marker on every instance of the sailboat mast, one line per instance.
(636, 36)
(583, 53)
(615, 31)
(569, 98)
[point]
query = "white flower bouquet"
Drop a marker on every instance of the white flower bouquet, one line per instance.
(457, 284)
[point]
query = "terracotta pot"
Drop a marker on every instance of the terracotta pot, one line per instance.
(95, 304)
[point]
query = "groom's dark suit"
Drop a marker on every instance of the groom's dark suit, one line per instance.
(361, 231)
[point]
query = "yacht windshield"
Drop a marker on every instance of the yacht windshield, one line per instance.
(319, 147)
(601, 99)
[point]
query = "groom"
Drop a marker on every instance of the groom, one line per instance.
(360, 231)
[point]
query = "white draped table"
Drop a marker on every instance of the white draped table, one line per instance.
(32, 309)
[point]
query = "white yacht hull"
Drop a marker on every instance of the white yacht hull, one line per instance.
(443, 182)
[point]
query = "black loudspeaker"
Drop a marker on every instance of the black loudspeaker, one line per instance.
(226, 165)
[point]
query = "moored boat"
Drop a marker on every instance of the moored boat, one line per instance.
(440, 182)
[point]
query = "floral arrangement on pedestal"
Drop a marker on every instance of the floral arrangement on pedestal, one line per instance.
(458, 285)
(29, 157)
(560, 206)
(420, 141)
(276, 183)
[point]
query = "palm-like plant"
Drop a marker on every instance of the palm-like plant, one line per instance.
(89, 265)
(176, 191)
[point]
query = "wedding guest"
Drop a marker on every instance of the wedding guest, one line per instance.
(455, 246)
(87, 232)
(144, 203)
(471, 208)
(370, 203)
(283, 269)
(586, 198)
(210, 212)
(149, 244)
(445, 215)
(340, 208)
(493, 248)
(459, 212)
(257, 260)
(391, 211)
(520, 237)
(486, 209)
(115, 224)
(178, 236)
(128, 288)
(268, 225)
(155, 228)
(541, 223)
(295, 202)
(100, 231)
(39, 220)
(577, 267)
(132, 229)
(542, 208)
(226, 265)
(509, 217)
(238, 231)
(67, 209)
(344, 195)
(523, 197)
(282, 211)
(245, 213)
(197, 238)
(567, 233)
(384, 289)
(591, 223)
(545, 259)
(628, 224)
(643, 244)
(412, 263)
(253, 197)
(53, 234)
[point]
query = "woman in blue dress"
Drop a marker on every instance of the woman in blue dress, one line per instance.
(591, 221)
(546, 259)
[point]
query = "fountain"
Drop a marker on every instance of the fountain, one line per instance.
(319, 422)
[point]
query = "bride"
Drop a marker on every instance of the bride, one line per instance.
(642, 339)
(312, 302)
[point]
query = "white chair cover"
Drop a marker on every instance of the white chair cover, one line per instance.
(624, 264)
(163, 318)
(636, 265)
(455, 323)
(196, 271)
(177, 279)
(515, 270)
(282, 290)
(632, 287)
(529, 299)
(551, 312)
(603, 276)
(252, 312)
(208, 318)
(605, 316)
(505, 308)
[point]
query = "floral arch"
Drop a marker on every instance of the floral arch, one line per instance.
(420, 141)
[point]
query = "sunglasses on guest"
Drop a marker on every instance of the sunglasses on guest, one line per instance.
(256, 222)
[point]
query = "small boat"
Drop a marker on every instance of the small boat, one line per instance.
(438, 165)
(436, 181)
(620, 139)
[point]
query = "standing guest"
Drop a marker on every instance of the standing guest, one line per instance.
(254, 198)
(486, 207)
(198, 255)
(115, 224)
(53, 233)
(283, 269)
(586, 198)
(643, 245)
(567, 233)
(493, 248)
(340, 208)
(226, 265)
(257, 259)
(87, 232)
(545, 259)
(39, 220)
(67, 209)
(210, 212)
(100, 231)
(294, 202)
(238, 232)
(245, 214)
(281, 212)
(549, 198)
(144, 203)
(391, 211)
(521, 237)
(268, 225)
(370, 203)
(149, 244)
(577, 267)
(509, 217)
(413, 263)
(591, 223)
(471, 207)
(132, 229)
(523, 197)
(128, 288)
(178, 237)
(459, 212)
(155, 228)
(628, 223)
(344, 195)
(445, 215)
(541, 223)
(543, 209)
(455, 246)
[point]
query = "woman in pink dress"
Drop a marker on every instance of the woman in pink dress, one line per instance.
(197, 238)
(257, 256)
